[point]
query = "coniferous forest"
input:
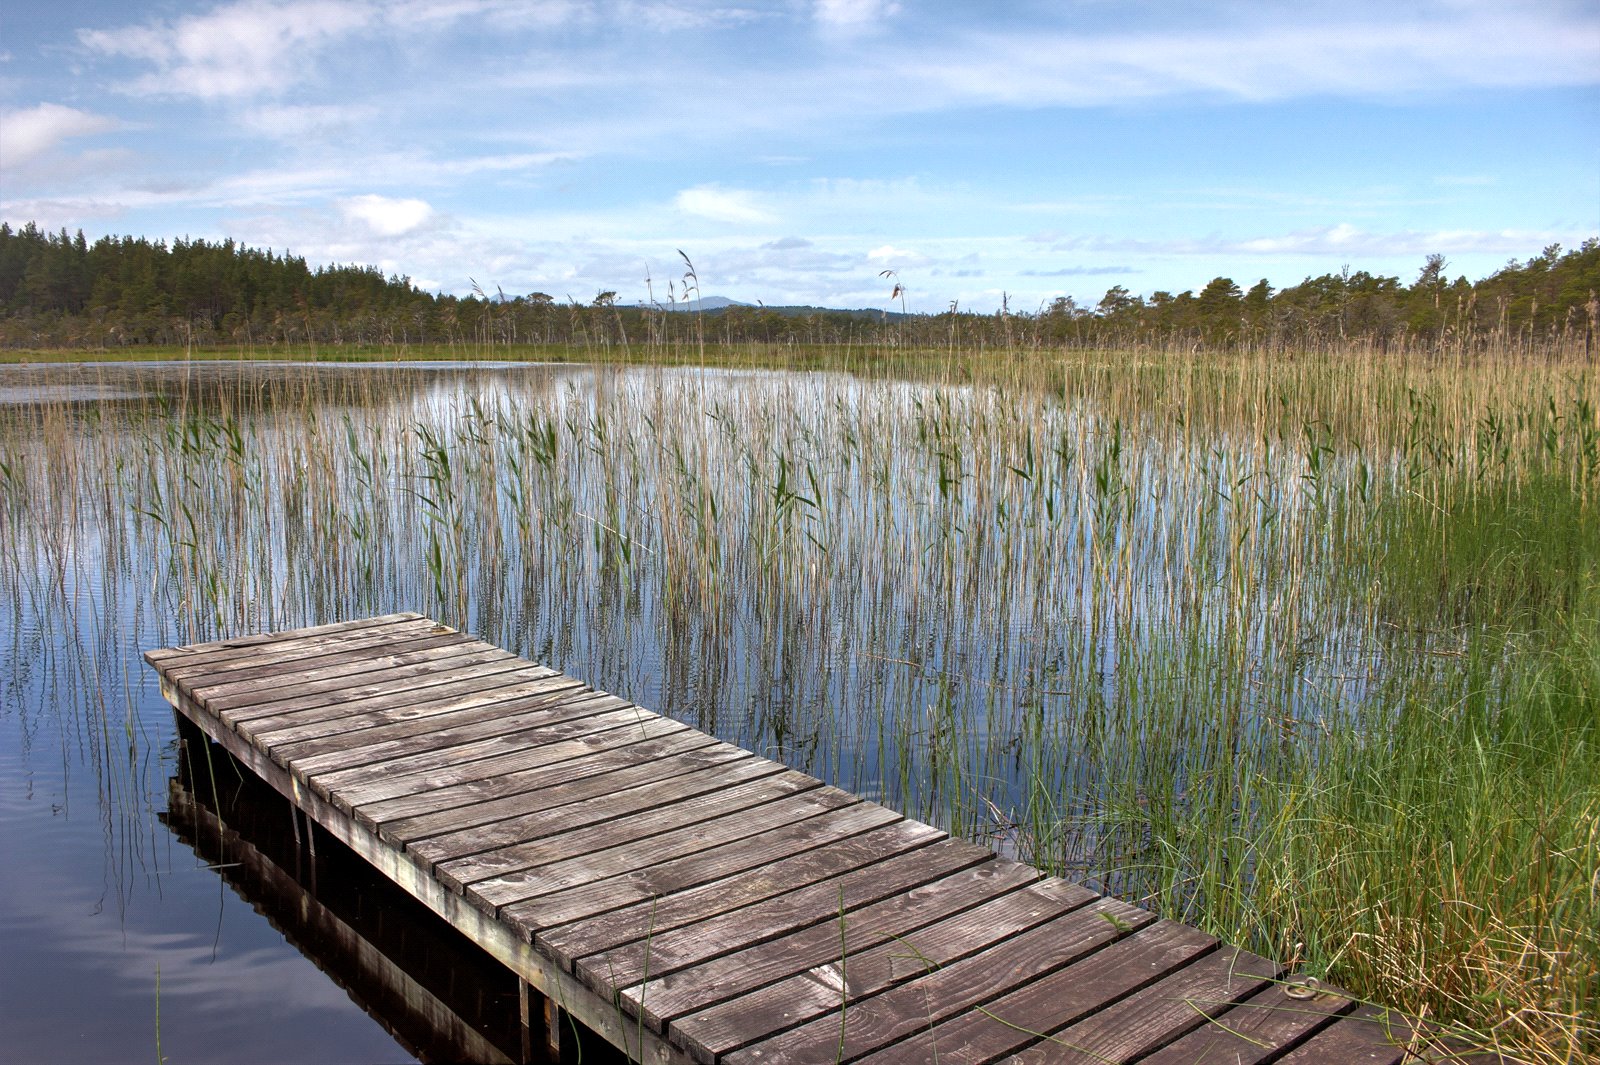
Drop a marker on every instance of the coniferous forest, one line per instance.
(60, 291)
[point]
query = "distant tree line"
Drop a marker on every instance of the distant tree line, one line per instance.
(57, 290)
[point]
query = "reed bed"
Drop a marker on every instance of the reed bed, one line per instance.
(1305, 651)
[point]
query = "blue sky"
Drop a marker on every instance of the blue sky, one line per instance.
(796, 149)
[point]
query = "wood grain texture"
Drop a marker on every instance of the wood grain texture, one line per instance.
(389, 669)
(651, 750)
(908, 1007)
(724, 840)
(227, 663)
(825, 896)
(1372, 1036)
(608, 933)
(539, 748)
(895, 919)
(710, 1032)
(416, 742)
(497, 673)
(1094, 1012)
(434, 838)
(240, 645)
(1256, 1029)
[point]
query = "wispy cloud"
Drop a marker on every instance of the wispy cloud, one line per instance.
(1366, 54)
(853, 14)
(246, 49)
(27, 134)
(1081, 271)
(299, 122)
(1339, 239)
(722, 205)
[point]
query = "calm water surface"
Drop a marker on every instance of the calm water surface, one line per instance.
(119, 935)
(830, 572)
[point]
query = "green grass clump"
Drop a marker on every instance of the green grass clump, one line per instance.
(1506, 557)
(1449, 864)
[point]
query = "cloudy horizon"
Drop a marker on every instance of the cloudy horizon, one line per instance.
(797, 150)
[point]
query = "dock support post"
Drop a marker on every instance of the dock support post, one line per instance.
(552, 1028)
(539, 1010)
(524, 995)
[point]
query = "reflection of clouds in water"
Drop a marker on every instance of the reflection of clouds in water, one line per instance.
(18, 395)
(200, 972)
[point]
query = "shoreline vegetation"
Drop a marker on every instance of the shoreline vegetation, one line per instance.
(1296, 642)
(59, 292)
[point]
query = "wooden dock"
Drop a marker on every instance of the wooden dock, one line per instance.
(691, 901)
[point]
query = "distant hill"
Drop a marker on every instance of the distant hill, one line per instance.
(710, 303)
(714, 304)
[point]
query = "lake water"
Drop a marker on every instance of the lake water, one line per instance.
(936, 596)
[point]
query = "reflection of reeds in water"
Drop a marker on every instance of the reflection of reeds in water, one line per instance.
(1189, 630)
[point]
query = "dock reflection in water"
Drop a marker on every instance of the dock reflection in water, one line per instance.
(440, 996)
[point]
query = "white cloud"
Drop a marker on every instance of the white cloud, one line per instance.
(251, 48)
(900, 258)
(26, 135)
(852, 14)
(300, 122)
(248, 48)
(387, 217)
(721, 205)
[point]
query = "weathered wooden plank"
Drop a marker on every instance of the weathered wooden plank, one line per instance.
(251, 685)
(1256, 1030)
(1369, 1035)
(1044, 1005)
(537, 787)
(499, 673)
(518, 868)
(1018, 1018)
(589, 803)
(655, 916)
(403, 649)
(619, 728)
(497, 729)
(383, 670)
(245, 644)
(1119, 1031)
(711, 1033)
(436, 698)
(725, 842)
(277, 732)
(906, 1008)
(421, 734)
(298, 654)
(826, 897)
(667, 996)
(1366, 1036)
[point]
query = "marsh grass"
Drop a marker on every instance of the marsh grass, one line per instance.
(1301, 650)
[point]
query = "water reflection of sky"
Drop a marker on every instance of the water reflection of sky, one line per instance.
(907, 661)
(92, 911)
